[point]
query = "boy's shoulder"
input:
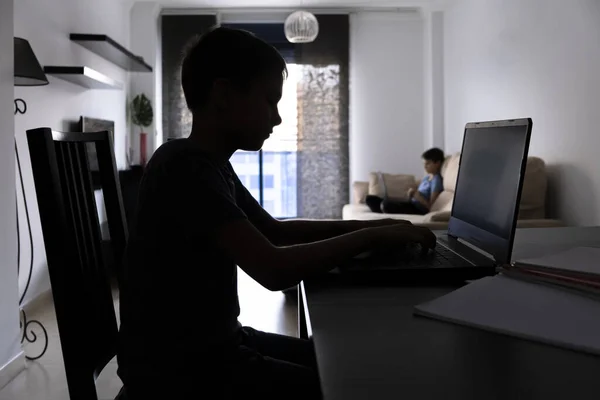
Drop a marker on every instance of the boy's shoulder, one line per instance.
(175, 149)
(177, 154)
(180, 160)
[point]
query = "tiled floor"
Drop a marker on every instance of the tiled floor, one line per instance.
(44, 379)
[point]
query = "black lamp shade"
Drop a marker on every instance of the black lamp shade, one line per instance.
(28, 71)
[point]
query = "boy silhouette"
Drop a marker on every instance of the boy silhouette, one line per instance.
(195, 223)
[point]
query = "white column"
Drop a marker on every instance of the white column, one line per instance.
(437, 76)
(434, 78)
(145, 42)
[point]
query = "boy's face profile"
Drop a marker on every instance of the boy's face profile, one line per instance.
(432, 167)
(252, 113)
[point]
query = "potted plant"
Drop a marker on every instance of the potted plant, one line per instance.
(142, 116)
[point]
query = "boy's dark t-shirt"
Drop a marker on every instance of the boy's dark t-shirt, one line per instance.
(178, 298)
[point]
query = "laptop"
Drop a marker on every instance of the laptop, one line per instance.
(484, 212)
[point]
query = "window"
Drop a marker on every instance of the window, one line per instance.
(245, 164)
(268, 157)
(268, 181)
(278, 167)
(238, 158)
(270, 207)
(254, 183)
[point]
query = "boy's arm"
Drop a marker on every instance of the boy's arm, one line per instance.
(213, 215)
(436, 189)
(297, 231)
(280, 267)
(422, 200)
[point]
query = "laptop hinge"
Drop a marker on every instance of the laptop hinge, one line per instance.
(477, 249)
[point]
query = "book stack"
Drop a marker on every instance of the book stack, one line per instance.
(576, 269)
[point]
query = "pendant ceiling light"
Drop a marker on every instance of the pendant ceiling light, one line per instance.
(301, 27)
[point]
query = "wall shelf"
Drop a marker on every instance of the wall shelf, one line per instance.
(107, 48)
(83, 76)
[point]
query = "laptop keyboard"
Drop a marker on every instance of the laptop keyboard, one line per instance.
(443, 256)
(440, 257)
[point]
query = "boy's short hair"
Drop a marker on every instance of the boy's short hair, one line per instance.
(224, 53)
(434, 155)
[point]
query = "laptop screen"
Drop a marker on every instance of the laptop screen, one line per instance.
(489, 182)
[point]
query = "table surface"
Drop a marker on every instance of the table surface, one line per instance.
(369, 345)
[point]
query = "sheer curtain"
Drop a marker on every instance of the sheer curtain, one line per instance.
(323, 165)
(176, 32)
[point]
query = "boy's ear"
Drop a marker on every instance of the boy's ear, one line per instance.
(221, 93)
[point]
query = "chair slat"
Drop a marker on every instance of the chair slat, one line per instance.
(64, 169)
(88, 209)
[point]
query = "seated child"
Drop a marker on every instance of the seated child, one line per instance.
(196, 223)
(420, 200)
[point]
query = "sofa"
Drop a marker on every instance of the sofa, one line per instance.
(532, 208)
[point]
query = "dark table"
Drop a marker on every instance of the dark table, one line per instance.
(370, 346)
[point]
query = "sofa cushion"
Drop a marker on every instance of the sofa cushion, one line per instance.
(360, 190)
(394, 186)
(376, 187)
(443, 202)
(449, 174)
(438, 216)
(533, 196)
(450, 171)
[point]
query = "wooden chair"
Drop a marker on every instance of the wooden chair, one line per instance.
(80, 282)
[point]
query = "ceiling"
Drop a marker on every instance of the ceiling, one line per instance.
(278, 4)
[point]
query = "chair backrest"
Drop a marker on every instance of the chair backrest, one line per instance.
(80, 281)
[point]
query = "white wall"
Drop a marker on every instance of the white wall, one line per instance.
(47, 24)
(538, 58)
(386, 93)
(9, 312)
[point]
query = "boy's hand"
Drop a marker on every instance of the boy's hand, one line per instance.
(392, 235)
(411, 193)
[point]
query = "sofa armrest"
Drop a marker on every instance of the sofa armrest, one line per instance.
(437, 216)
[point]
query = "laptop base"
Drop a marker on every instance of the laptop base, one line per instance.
(410, 276)
(453, 263)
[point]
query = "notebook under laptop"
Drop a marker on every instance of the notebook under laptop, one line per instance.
(484, 213)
